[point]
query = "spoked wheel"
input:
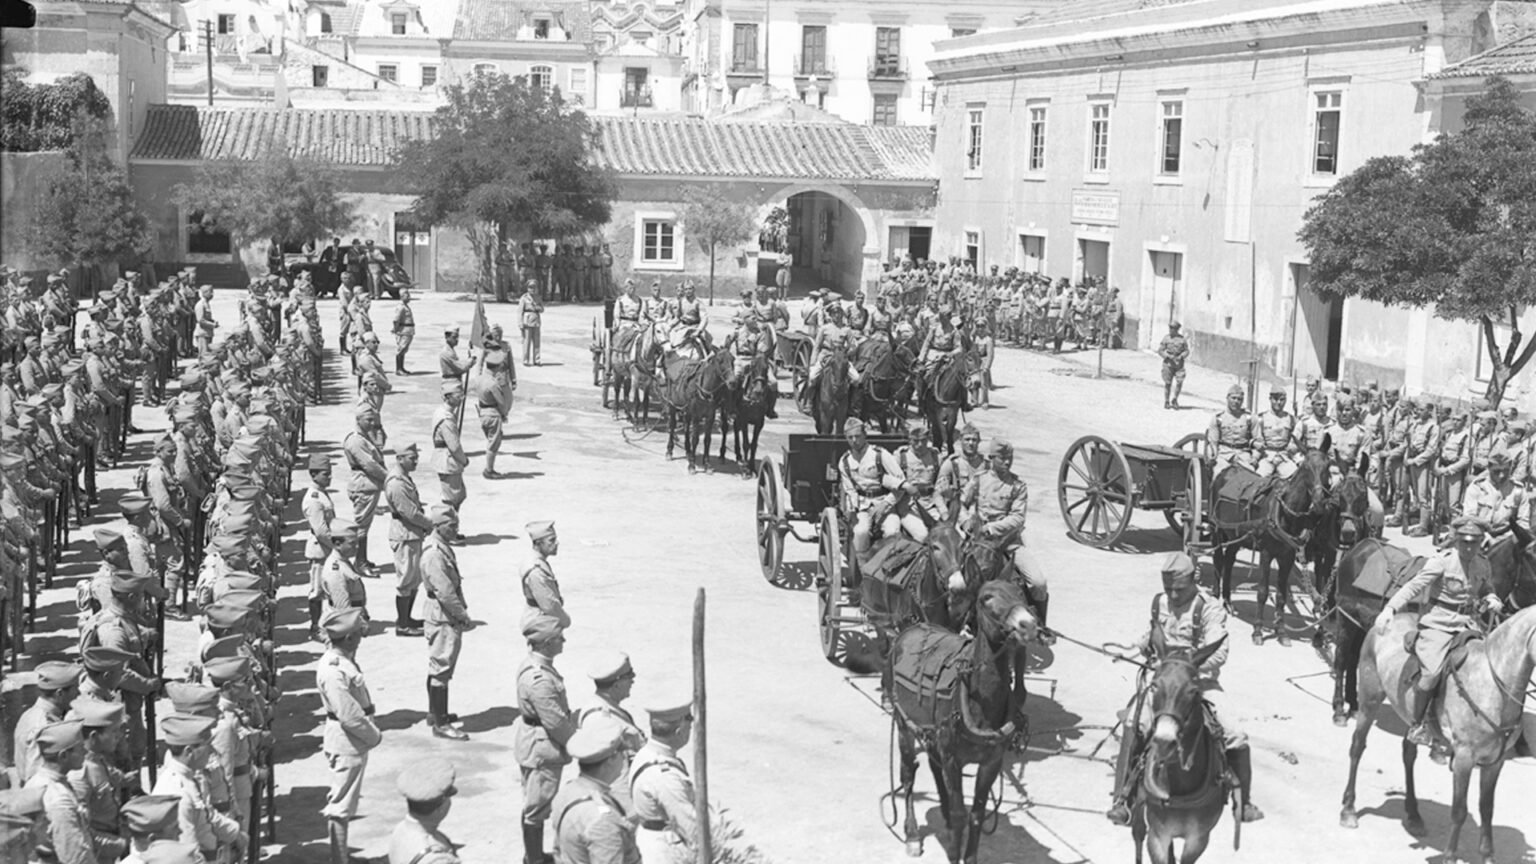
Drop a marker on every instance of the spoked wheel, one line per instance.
(1095, 490)
(1194, 503)
(829, 581)
(770, 521)
(800, 381)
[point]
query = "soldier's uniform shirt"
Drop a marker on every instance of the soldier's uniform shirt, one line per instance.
(544, 723)
(97, 786)
(1231, 433)
(415, 843)
(663, 802)
(1312, 430)
(449, 365)
(530, 310)
(1455, 453)
(1452, 592)
(634, 739)
(591, 826)
(68, 839)
(1002, 503)
(870, 477)
(448, 458)
(922, 470)
(1200, 623)
(1348, 442)
(1423, 441)
(1276, 431)
(1497, 505)
(407, 529)
(232, 750)
(957, 472)
(1174, 350)
(368, 474)
(319, 512)
(657, 310)
(342, 585)
(541, 591)
(446, 613)
(626, 311)
(25, 753)
(200, 822)
(1481, 447)
(349, 730)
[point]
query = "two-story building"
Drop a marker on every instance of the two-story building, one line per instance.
(549, 42)
(1173, 150)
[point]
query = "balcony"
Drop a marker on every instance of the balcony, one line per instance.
(813, 64)
(633, 99)
(888, 68)
(749, 67)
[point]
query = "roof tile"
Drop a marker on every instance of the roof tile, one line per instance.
(1512, 58)
(499, 20)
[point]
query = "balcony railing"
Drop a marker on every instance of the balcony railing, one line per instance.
(888, 68)
(813, 64)
(746, 67)
(631, 99)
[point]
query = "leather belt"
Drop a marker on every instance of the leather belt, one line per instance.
(532, 720)
(242, 770)
(1459, 608)
(875, 494)
(653, 824)
(367, 711)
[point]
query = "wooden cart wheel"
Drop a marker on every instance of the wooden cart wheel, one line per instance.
(770, 520)
(1196, 444)
(1194, 502)
(1094, 488)
(800, 381)
(829, 581)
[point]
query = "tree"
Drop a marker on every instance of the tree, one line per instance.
(1453, 226)
(37, 117)
(713, 221)
(274, 196)
(507, 157)
(87, 216)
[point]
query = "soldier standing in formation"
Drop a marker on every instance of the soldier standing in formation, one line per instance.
(407, 530)
(319, 512)
(543, 727)
(541, 592)
(591, 825)
(427, 786)
(404, 330)
(660, 787)
(447, 618)
(530, 310)
(448, 458)
(350, 732)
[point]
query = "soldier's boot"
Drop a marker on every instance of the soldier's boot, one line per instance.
(1042, 607)
(314, 618)
(442, 726)
(410, 602)
(1125, 779)
(403, 624)
(336, 829)
(533, 845)
(1241, 760)
(1420, 732)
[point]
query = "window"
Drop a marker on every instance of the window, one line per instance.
(542, 77)
(226, 25)
(957, 32)
(429, 76)
(578, 88)
(1098, 137)
(397, 23)
(887, 50)
(1171, 138)
(658, 241)
(541, 28)
(205, 239)
(1037, 138)
(973, 140)
(973, 249)
(485, 69)
(744, 48)
(319, 76)
(885, 109)
(389, 71)
(603, 41)
(813, 50)
(1326, 110)
(325, 22)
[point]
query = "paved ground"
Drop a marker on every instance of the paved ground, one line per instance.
(799, 750)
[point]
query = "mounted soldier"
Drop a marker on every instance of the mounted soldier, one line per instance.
(690, 333)
(1275, 437)
(1231, 433)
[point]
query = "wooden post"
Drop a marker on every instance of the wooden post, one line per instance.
(700, 735)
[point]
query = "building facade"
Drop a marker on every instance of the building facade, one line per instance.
(1174, 150)
(550, 43)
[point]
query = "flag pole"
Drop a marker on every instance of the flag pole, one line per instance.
(700, 736)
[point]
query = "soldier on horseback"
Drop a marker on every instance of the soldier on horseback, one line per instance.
(745, 343)
(959, 467)
(1310, 432)
(921, 506)
(1000, 499)
(656, 308)
(1496, 499)
(1458, 585)
(690, 334)
(941, 343)
(1276, 437)
(1184, 617)
(1231, 433)
(831, 336)
(869, 478)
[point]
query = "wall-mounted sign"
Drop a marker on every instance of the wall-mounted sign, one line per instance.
(1096, 206)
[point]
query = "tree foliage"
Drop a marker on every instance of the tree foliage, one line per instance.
(274, 196)
(1453, 226)
(506, 158)
(37, 117)
(87, 215)
(713, 221)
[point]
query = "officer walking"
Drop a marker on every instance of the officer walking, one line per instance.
(349, 728)
(1174, 350)
(544, 724)
(447, 618)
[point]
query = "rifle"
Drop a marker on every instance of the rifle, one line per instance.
(156, 661)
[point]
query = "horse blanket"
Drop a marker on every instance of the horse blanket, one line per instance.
(891, 580)
(1386, 569)
(1237, 496)
(926, 670)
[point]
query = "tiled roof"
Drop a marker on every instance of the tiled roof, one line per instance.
(498, 20)
(1087, 10)
(634, 146)
(337, 137)
(1511, 58)
(346, 17)
(147, 10)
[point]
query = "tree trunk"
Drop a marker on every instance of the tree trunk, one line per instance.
(711, 274)
(499, 279)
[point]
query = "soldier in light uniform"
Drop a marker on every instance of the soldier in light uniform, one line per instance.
(591, 825)
(660, 787)
(98, 784)
(118, 626)
(869, 479)
(448, 459)
(150, 820)
(1495, 499)
(427, 785)
(1450, 466)
(999, 500)
(1395, 423)
(407, 530)
(1310, 432)
(233, 742)
(1422, 446)
(341, 583)
(446, 617)
(959, 467)
(1349, 440)
(530, 316)
(1231, 433)
(690, 333)
(448, 363)
(57, 686)
(363, 448)
(541, 592)
(69, 838)
(1175, 351)
(613, 676)
(496, 386)
(543, 727)
(1487, 439)
(1458, 584)
(319, 512)
(189, 740)
(350, 732)
(656, 308)
(921, 505)
(1275, 434)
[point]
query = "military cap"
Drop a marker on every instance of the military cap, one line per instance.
(224, 646)
(412, 447)
(1235, 390)
(17, 806)
(450, 330)
(72, 367)
(365, 411)
(1178, 564)
(30, 341)
(243, 580)
(225, 615)
(1469, 527)
(184, 414)
(245, 490)
(595, 740)
(250, 600)
(61, 737)
(54, 675)
(96, 714)
(609, 668)
(453, 387)
(229, 544)
(191, 698)
(103, 658)
(1488, 414)
(193, 379)
(110, 542)
(12, 461)
(1500, 461)
(376, 378)
(540, 530)
(442, 514)
(181, 729)
(542, 628)
(426, 780)
(1174, 325)
(126, 581)
(319, 462)
(852, 425)
(999, 447)
(133, 503)
(1276, 390)
(51, 390)
(343, 527)
(150, 814)
(341, 623)
(670, 708)
(237, 458)
(222, 670)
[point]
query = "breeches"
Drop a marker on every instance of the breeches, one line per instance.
(443, 642)
(1275, 463)
(454, 492)
(1031, 572)
(346, 775)
(364, 506)
(1232, 456)
(407, 566)
(316, 584)
(539, 786)
(491, 423)
(403, 340)
(1171, 375)
(875, 511)
(1435, 641)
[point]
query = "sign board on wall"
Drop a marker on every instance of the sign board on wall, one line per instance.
(1096, 206)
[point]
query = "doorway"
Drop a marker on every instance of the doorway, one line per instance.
(637, 91)
(1319, 333)
(1167, 279)
(1093, 259)
(1031, 253)
(413, 249)
(919, 242)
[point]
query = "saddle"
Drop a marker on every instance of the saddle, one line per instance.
(1237, 496)
(1386, 570)
(926, 671)
(891, 579)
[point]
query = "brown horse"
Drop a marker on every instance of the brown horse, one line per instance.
(1479, 712)
(691, 391)
(943, 398)
(627, 353)
(1183, 788)
(750, 407)
(830, 407)
(885, 374)
(953, 694)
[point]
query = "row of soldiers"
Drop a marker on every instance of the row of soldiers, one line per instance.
(566, 272)
(200, 531)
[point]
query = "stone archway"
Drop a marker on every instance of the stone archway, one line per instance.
(835, 238)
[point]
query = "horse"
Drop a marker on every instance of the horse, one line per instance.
(885, 371)
(954, 694)
(943, 398)
(1511, 562)
(1479, 712)
(1182, 788)
(830, 410)
(645, 367)
(1286, 511)
(625, 352)
(692, 389)
(758, 393)
(1344, 521)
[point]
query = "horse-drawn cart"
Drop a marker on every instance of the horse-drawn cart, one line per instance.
(792, 352)
(804, 488)
(1101, 483)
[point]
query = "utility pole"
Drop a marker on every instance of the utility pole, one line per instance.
(208, 51)
(767, 36)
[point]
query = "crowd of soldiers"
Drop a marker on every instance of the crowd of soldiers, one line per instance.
(566, 272)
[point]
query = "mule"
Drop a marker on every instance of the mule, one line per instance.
(943, 398)
(757, 395)
(830, 407)
(1479, 712)
(1344, 521)
(691, 392)
(1182, 787)
(1279, 524)
(626, 354)
(954, 695)
(884, 380)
